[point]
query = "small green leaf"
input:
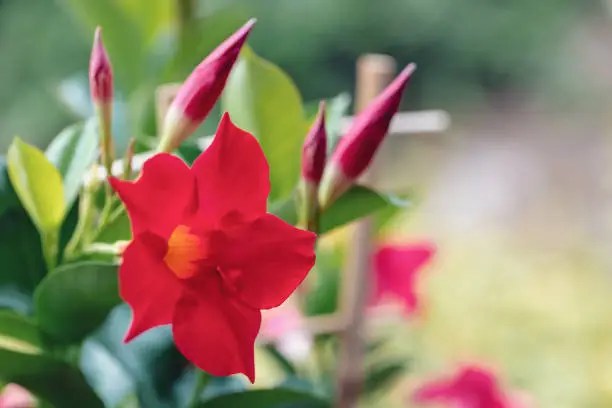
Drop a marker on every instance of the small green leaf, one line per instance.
(263, 100)
(22, 362)
(356, 203)
(272, 398)
(38, 185)
(282, 361)
(73, 151)
(381, 375)
(74, 299)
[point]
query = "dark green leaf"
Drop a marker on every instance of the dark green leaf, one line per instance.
(356, 203)
(74, 299)
(23, 266)
(189, 151)
(72, 152)
(23, 362)
(273, 398)
(382, 375)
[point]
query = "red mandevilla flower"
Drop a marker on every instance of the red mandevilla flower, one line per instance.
(201, 90)
(205, 256)
(471, 387)
(100, 71)
(396, 270)
(357, 147)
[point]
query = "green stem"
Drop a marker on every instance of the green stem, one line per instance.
(50, 247)
(85, 214)
(202, 379)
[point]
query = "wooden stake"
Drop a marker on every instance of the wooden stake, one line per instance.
(374, 73)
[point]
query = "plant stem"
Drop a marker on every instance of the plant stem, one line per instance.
(50, 247)
(202, 379)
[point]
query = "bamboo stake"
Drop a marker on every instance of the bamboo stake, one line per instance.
(374, 73)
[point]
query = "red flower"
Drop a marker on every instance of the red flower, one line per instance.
(396, 270)
(100, 71)
(201, 90)
(471, 387)
(205, 256)
(357, 147)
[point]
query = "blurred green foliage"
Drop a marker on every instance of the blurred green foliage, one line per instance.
(464, 48)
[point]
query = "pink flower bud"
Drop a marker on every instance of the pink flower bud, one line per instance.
(199, 93)
(100, 71)
(315, 149)
(101, 87)
(313, 163)
(358, 146)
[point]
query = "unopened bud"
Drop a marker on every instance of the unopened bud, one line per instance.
(313, 162)
(199, 93)
(358, 146)
(101, 88)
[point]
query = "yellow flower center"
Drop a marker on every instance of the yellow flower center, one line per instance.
(184, 251)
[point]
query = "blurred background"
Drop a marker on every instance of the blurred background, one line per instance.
(516, 194)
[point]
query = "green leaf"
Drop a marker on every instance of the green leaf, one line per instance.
(381, 375)
(263, 100)
(282, 361)
(148, 366)
(23, 265)
(23, 362)
(18, 333)
(356, 203)
(271, 398)
(73, 151)
(74, 299)
(38, 185)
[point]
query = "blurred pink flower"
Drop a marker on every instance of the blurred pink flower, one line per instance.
(285, 327)
(15, 396)
(395, 269)
(471, 387)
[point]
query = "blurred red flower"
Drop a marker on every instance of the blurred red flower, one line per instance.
(205, 256)
(396, 269)
(471, 387)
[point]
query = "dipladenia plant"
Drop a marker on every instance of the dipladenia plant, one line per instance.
(207, 251)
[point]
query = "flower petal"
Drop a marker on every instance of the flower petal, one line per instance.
(267, 261)
(161, 197)
(396, 269)
(232, 174)
(147, 285)
(215, 332)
